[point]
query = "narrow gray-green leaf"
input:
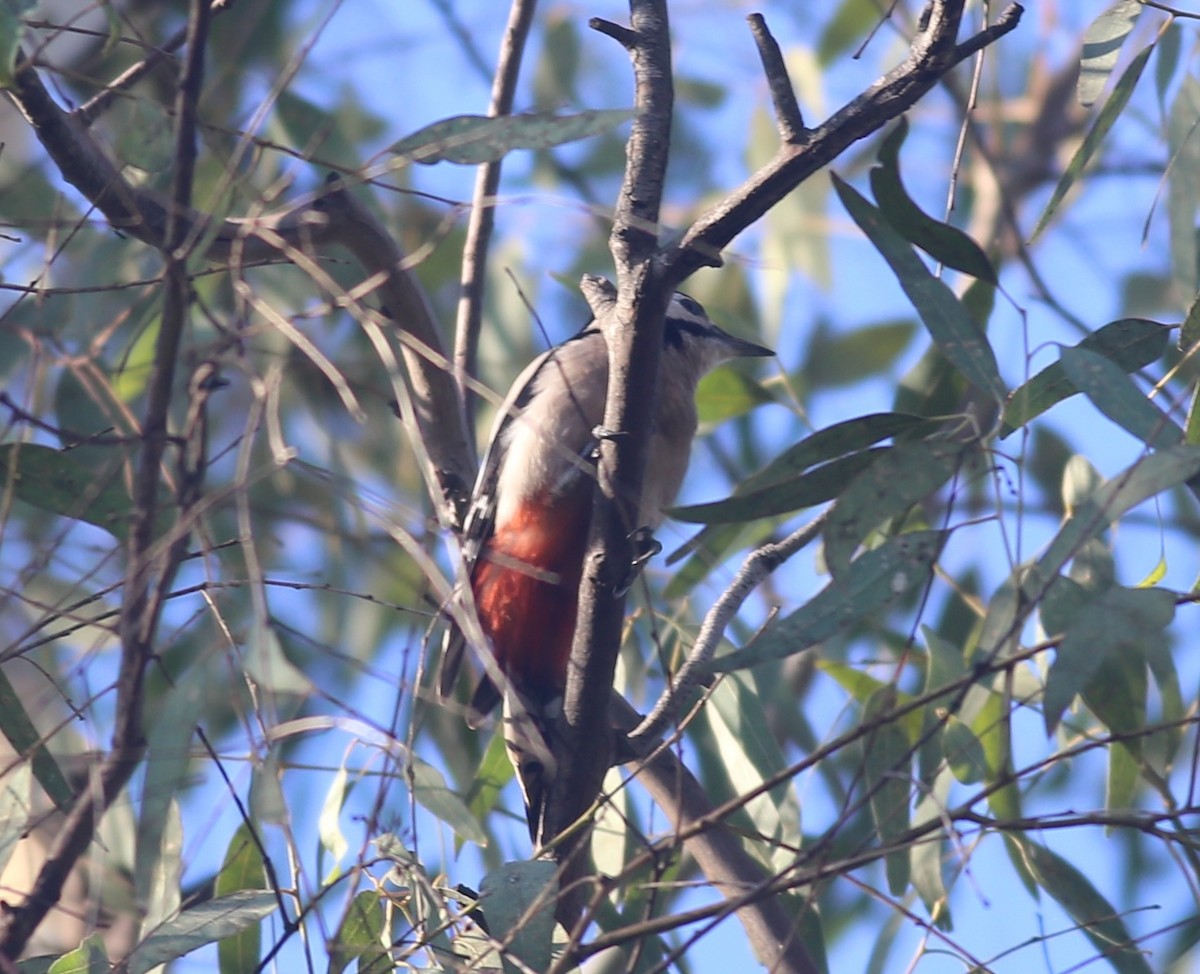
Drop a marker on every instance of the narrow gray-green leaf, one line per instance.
(963, 752)
(874, 579)
(896, 481)
(1110, 624)
(1189, 333)
(204, 923)
(1146, 478)
(242, 869)
(958, 335)
(27, 742)
(1102, 47)
(1117, 397)
(518, 901)
(474, 139)
(55, 481)
(887, 775)
(432, 793)
(841, 358)
(1091, 142)
(1132, 343)
(944, 243)
(1099, 920)
(360, 935)
(807, 490)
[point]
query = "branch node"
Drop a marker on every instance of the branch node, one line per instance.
(783, 95)
(627, 38)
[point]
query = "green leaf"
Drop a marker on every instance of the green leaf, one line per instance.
(956, 333)
(495, 771)
(752, 756)
(726, 393)
(1183, 184)
(55, 481)
(16, 810)
(852, 20)
(898, 479)
(1100, 921)
(474, 139)
(1189, 332)
(1146, 478)
(431, 792)
(1131, 343)
(1091, 142)
(993, 730)
(1117, 397)
(927, 855)
(963, 752)
(360, 936)
(836, 359)
(874, 580)
(518, 900)
(1120, 785)
(1102, 47)
(807, 490)
(242, 869)
(205, 923)
(887, 775)
(26, 741)
(11, 32)
(1113, 622)
(90, 957)
(944, 243)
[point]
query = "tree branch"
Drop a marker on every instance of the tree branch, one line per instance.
(483, 212)
(633, 327)
(933, 53)
(150, 565)
(328, 220)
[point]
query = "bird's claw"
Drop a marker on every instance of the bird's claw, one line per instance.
(645, 547)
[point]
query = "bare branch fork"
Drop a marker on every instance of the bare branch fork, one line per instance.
(633, 320)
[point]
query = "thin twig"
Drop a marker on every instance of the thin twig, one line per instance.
(483, 213)
(757, 566)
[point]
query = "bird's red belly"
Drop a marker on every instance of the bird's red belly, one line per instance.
(526, 587)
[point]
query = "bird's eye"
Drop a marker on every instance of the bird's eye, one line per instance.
(690, 305)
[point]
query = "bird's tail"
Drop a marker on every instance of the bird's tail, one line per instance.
(528, 726)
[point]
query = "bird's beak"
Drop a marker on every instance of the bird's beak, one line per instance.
(740, 348)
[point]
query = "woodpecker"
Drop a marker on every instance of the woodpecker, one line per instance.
(526, 530)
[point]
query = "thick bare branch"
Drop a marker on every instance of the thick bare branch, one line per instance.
(933, 53)
(633, 331)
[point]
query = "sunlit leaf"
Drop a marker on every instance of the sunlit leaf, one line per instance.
(874, 579)
(473, 139)
(329, 823)
(1091, 142)
(963, 752)
(90, 957)
(1131, 343)
(956, 333)
(1102, 47)
(726, 393)
(927, 856)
